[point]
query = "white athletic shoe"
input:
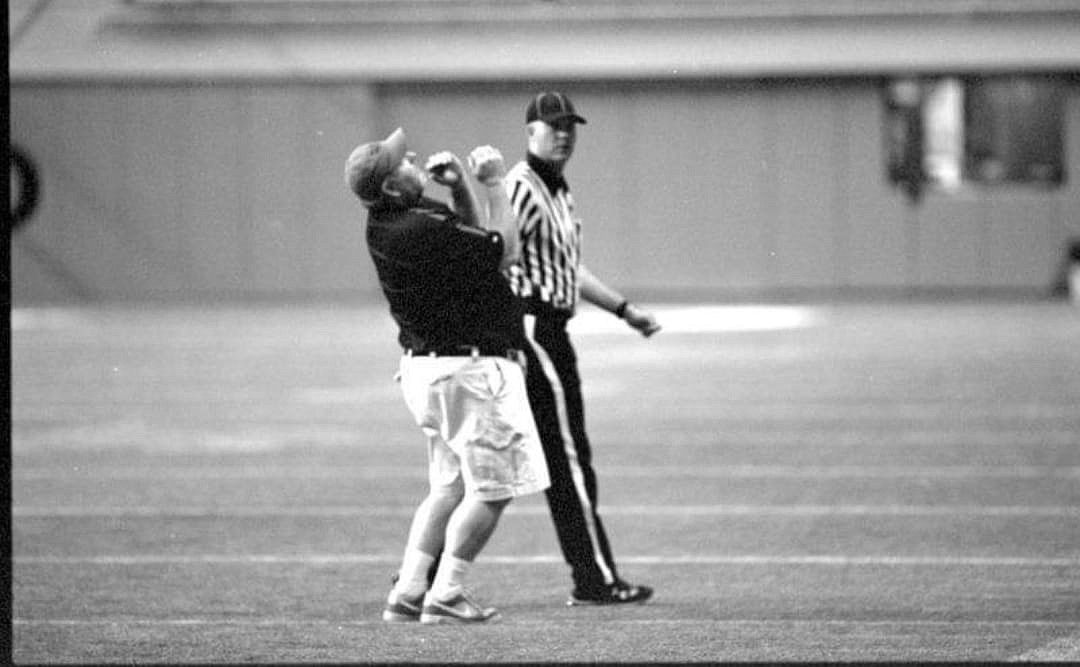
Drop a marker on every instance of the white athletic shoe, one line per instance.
(400, 609)
(460, 609)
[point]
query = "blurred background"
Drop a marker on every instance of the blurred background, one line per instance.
(192, 150)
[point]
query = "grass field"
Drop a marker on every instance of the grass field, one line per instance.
(847, 482)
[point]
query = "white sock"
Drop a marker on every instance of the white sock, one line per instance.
(412, 579)
(450, 578)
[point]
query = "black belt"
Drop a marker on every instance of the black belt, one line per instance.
(466, 351)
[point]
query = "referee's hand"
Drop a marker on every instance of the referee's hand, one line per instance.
(642, 320)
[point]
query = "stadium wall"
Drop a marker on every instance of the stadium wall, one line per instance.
(744, 188)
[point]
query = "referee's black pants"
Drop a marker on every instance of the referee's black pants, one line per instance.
(554, 388)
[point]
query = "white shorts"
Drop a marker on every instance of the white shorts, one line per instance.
(481, 433)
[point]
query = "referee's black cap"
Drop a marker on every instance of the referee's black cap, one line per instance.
(550, 107)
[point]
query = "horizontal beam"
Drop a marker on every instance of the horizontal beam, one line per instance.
(339, 12)
(89, 41)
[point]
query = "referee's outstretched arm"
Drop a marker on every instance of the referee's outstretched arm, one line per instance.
(597, 293)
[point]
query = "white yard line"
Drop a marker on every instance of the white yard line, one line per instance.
(1066, 649)
(259, 472)
(249, 511)
(544, 559)
(682, 622)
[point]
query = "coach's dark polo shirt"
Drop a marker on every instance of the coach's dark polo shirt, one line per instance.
(442, 280)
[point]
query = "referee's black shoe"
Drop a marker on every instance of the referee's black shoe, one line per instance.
(618, 593)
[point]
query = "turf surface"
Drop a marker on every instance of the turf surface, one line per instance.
(856, 482)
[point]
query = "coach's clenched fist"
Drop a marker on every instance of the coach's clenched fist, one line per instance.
(486, 163)
(444, 167)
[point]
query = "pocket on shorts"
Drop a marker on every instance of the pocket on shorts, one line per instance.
(494, 430)
(492, 469)
(495, 433)
(492, 452)
(500, 463)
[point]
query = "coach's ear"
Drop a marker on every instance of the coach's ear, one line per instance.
(388, 188)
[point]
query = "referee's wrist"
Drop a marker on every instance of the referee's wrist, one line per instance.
(620, 310)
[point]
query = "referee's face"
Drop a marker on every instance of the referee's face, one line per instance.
(553, 142)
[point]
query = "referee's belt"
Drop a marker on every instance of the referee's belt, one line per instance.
(473, 351)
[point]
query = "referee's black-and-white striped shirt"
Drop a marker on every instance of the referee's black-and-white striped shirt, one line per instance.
(547, 275)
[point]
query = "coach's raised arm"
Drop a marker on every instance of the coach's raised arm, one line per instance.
(489, 168)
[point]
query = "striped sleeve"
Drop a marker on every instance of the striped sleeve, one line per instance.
(525, 207)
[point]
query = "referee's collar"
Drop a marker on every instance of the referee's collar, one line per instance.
(551, 178)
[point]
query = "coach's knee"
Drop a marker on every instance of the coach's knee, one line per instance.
(451, 495)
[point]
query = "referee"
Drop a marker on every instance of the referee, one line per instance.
(550, 279)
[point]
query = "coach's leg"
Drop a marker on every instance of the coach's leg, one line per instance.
(468, 530)
(427, 534)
